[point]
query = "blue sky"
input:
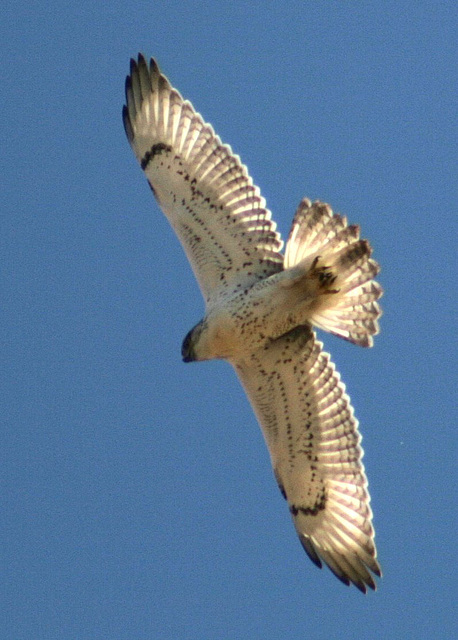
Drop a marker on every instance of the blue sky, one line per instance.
(138, 498)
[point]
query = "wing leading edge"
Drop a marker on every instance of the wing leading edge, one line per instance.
(202, 187)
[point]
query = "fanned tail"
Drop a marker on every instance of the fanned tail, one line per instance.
(323, 242)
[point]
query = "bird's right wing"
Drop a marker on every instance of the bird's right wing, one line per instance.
(202, 187)
(313, 439)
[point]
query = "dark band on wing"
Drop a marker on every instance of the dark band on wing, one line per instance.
(155, 150)
(310, 511)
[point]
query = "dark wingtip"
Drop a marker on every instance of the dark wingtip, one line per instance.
(153, 66)
(125, 111)
(310, 551)
(362, 587)
(377, 569)
(136, 67)
(127, 124)
(127, 84)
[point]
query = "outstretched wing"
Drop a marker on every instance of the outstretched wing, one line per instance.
(202, 187)
(313, 439)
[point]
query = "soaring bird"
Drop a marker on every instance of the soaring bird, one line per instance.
(260, 310)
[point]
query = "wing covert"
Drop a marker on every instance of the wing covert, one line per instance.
(202, 187)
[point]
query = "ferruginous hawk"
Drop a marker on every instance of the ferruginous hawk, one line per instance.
(261, 306)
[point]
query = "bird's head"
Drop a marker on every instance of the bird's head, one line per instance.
(188, 348)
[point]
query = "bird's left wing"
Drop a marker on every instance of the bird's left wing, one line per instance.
(202, 187)
(313, 439)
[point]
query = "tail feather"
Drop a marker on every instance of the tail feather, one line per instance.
(321, 240)
(313, 226)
